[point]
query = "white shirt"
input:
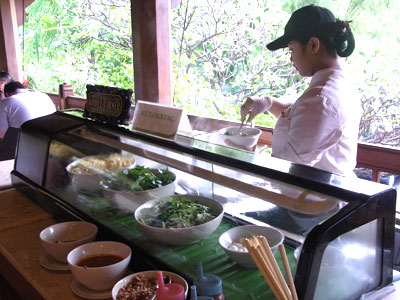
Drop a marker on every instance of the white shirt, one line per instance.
(321, 128)
(23, 106)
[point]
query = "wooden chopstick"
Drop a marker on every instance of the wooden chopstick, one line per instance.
(262, 255)
(288, 272)
(270, 268)
(275, 266)
(267, 259)
(262, 266)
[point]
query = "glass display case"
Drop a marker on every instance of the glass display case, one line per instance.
(339, 232)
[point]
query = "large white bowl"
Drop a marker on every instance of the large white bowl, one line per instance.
(91, 181)
(99, 278)
(248, 136)
(233, 235)
(132, 200)
(175, 278)
(59, 239)
(181, 236)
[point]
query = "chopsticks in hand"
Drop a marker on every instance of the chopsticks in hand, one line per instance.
(263, 257)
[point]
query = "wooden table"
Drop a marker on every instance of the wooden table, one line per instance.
(6, 166)
(22, 276)
(21, 221)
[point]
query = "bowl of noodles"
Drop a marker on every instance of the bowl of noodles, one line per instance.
(86, 173)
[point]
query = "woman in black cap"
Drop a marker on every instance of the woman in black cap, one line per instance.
(320, 128)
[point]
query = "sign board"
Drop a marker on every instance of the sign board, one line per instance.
(156, 119)
(108, 104)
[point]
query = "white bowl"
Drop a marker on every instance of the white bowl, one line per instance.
(233, 235)
(59, 239)
(99, 278)
(132, 200)
(181, 236)
(248, 136)
(175, 278)
(90, 181)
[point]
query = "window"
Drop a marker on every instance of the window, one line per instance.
(78, 42)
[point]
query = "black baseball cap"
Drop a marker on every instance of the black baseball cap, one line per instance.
(304, 21)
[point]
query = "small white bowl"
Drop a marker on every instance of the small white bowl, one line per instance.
(59, 239)
(175, 278)
(132, 200)
(99, 278)
(90, 181)
(233, 235)
(246, 137)
(181, 236)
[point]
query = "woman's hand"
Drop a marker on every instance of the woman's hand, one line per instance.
(254, 106)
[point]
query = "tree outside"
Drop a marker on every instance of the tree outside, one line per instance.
(218, 54)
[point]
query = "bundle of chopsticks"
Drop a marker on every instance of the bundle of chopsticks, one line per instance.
(262, 255)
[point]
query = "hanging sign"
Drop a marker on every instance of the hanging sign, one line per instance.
(156, 119)
(108, 104)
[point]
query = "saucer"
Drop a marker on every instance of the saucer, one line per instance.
(48, 262)
(82, 291)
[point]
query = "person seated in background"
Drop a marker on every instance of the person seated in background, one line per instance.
(4, 79)
(22, 105)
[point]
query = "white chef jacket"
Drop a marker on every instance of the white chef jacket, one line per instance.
(23, 106)
(321, 128)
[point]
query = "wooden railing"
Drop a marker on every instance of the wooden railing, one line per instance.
(376, 158)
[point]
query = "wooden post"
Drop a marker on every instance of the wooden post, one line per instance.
(151, 50)
(9, 43)
(376, 175)
(65, 90)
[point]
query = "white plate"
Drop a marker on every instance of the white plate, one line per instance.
(49, 263)
(79, 290)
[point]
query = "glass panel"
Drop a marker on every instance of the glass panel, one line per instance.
(246, 196)
(350, 263)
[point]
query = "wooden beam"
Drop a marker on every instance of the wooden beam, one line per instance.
(9, 41)
(378, 158)
(20, 6)
(151, 50)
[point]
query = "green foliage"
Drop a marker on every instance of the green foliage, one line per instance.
(78, 42)
(219, 54)
(219, 58)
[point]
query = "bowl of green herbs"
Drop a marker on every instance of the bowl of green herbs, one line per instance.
(179, 219)
(130, 188)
